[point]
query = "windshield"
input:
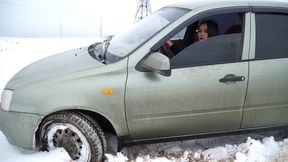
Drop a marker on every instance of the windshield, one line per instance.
(123, 44)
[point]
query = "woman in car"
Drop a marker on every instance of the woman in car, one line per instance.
(206, 29)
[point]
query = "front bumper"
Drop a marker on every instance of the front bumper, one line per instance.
(19, 128)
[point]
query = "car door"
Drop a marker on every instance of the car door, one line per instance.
(267, 95)
(205, 92)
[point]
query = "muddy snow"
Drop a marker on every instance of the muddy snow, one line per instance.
(225, 149)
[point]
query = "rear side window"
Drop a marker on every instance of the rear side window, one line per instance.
(271, 35)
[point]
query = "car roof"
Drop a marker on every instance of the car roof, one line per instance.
(193, 4)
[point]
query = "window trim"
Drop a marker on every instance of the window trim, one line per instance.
(266, 9)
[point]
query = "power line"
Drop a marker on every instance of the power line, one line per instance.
(143, 10)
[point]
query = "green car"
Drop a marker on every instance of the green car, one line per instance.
(160, 80)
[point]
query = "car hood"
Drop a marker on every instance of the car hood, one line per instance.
(54, 66)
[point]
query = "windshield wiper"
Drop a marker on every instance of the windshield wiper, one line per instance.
(92, 50)
(98, 50)
(106, 44)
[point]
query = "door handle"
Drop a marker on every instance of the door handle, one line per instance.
(231, 78)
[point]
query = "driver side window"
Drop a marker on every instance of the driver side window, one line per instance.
(213, 40)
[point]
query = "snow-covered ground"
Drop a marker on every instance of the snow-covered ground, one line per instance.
(237, 148)
(225, 149)
(15, 53)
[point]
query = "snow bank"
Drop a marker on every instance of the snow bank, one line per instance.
(9, 153)
(265, 150)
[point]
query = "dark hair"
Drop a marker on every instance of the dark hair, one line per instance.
(212, 27)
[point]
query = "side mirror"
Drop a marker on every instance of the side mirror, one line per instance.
(156, 62)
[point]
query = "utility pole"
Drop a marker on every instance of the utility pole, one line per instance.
(100, 28)
(61, 30)
(143, 10)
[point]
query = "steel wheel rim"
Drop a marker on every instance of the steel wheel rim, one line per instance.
(83, 153)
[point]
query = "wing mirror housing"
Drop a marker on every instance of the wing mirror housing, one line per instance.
(156, 62)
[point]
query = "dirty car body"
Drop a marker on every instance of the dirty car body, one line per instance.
(128, 87)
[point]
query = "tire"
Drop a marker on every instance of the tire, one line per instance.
(99, 130)
(75, 133)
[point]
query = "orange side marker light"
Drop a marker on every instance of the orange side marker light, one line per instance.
(107, 91)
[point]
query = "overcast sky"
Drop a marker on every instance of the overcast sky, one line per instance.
(68, 18)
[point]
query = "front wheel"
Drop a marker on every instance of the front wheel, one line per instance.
(75, 133)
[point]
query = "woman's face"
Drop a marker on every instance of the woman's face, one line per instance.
(203, 32)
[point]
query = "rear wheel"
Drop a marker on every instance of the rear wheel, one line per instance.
(75, 133)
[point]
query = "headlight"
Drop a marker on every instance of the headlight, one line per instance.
(6, 99)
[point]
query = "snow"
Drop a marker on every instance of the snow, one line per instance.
(226, 148)
(15, 53)
(85, 151)
(10, 153)
(252, 150)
